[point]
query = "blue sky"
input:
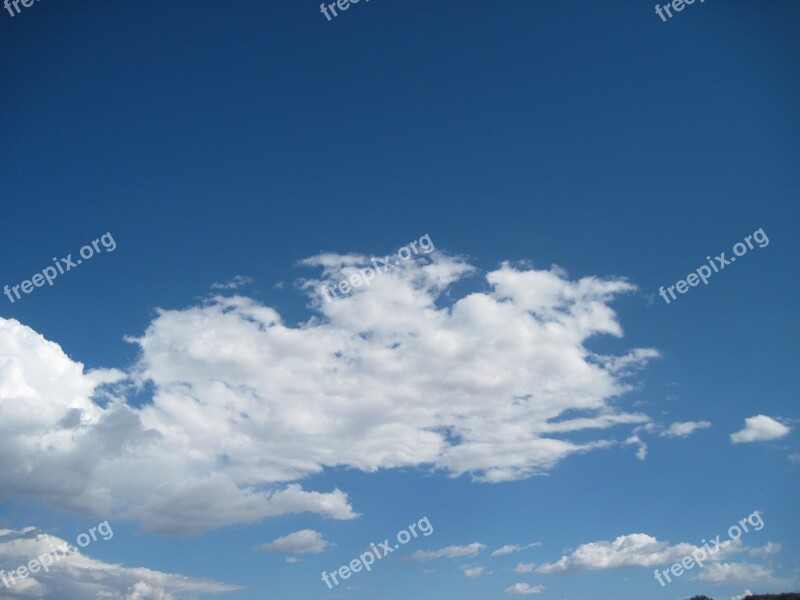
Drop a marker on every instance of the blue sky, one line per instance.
(522, 384)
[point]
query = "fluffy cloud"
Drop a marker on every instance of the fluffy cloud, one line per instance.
(760, 428)
(77, 577)
(637, 549)
(57, 443)
(642, 550)
(300, 542)
(449, 552)
(685, 428)
(523, 589)
(634, 550)
(397, 374)
(510, 548)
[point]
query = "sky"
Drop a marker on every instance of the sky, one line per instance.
(566, 361)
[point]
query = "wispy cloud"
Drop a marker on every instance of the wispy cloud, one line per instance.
(511, 548)
(449, 552)
(524, 589)
(729, 573)
(233, 284)
(641, 452)
(475, 571)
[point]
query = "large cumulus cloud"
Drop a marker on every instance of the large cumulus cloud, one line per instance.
(397, 374)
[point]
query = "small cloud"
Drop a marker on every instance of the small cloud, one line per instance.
(641, 452)
(760, 428)
(299, 542)
(233, 284)
(795, 457)
(509, 548)
(449, 552)
(475, 571)
(766, 550)
(743, 595)
(524, 568)
(293, 559)
(685, 428)
(520, 589)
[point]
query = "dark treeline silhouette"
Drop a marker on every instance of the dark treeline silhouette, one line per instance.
(787, 596)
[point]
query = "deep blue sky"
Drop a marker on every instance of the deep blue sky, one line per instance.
(216, 139)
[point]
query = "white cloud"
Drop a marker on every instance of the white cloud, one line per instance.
(394, 375)
(524, 568)
(766, 550)
(642, 550)
(742, 596)
(521, 589)
(77, 577)
(729, 573)
(795, 457)
(300, 542)
(449, 552)
(475, 571)
(510, 548)
(641, 452)
(634, 550)
(183, 507)
(233, 284)
(759, 429)
(685, 428)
